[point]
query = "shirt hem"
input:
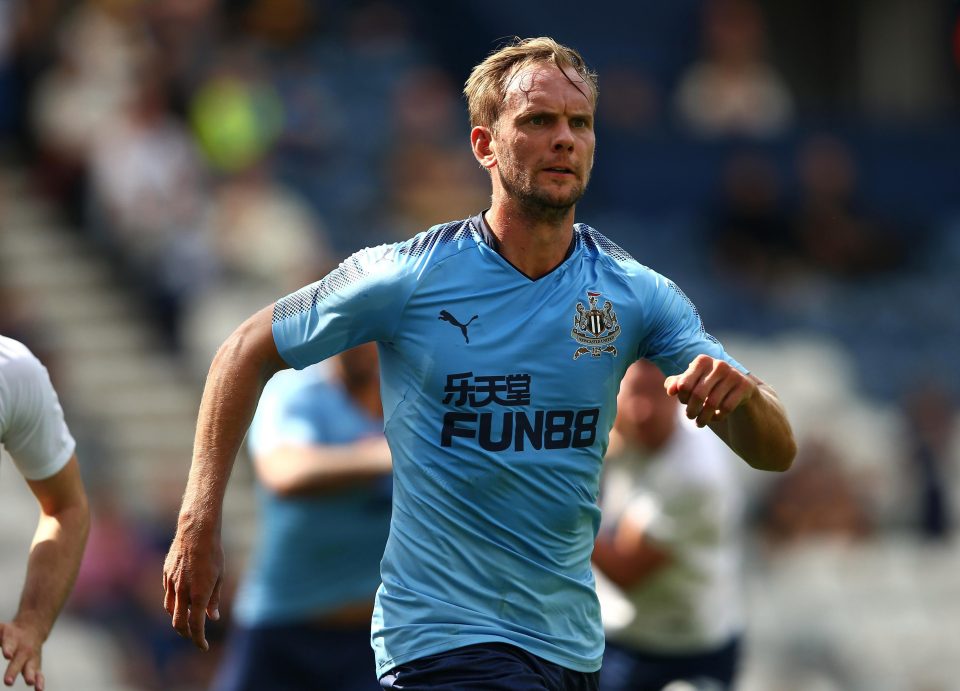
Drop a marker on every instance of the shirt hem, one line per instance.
(50, 469)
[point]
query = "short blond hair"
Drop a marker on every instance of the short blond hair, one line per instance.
(486, 87)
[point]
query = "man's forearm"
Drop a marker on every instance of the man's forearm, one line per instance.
(298, 470)
(52, 567)
(627, 565)
(758, 431)
(193, 569)
(234, 383)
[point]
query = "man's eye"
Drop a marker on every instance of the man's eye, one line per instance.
(538, 120)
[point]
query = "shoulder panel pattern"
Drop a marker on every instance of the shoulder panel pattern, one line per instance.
(596, 240)
(350, 271)
(357, 266)
(673, 286)
(440, 235)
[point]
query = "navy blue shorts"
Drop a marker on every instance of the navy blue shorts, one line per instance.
(486, 667)
(625, 669)
(294, 657)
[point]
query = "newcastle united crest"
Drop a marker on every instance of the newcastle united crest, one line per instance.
(594, 328)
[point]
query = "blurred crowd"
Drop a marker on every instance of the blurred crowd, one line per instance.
(202, 146)
(222, 154)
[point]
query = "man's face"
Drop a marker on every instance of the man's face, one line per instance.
(544, 139)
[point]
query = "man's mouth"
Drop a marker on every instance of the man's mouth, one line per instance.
(560, 170)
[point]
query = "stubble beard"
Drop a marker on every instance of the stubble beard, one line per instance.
(537, 204)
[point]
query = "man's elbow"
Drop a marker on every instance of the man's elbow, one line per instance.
(779, 458)
(70, 521)
(77, 517)
(252, 342)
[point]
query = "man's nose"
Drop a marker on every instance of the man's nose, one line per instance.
(564, 138)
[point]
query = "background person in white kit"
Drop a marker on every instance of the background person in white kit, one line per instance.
(33, 432)
(668, 547)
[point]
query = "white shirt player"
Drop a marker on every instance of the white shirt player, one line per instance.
(32, 428)
(687, 499)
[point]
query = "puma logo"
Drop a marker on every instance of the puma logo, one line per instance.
(447, 317)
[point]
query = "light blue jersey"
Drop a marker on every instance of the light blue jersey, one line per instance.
(499, 393)
(313, 554)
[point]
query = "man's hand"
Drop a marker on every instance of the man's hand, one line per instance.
(711, 389)
(192, 577)
(743, 411)
(22, 646)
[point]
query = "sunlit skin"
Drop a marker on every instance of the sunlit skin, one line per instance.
(540, 154)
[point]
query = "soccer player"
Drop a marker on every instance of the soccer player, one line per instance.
(302, 613)
(33, 432)
(502, 339)
(668, 546)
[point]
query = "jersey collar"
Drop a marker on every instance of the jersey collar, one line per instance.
(492, 241)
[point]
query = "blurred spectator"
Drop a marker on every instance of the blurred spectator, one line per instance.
(631, 101)
(323, 487)
(429, 174)
(750, 228)
(668, 546)
(732, 89)
(834, 232)
(264, 234)
(266, 242)
(818, 499)
(235, 112)
(930, 414)
(187, 34)
(147, 191)
(426, 106)
(86, 88)
(315, 125)
(27, 32)
(146, 174)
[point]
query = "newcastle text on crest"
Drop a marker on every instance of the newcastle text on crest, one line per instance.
(595, 329)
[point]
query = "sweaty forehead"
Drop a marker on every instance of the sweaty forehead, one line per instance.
(540, 81)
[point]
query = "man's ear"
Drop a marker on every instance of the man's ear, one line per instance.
(481, 140)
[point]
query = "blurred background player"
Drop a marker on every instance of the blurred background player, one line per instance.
(33, 432)
(879, 77)
(668, 546)
(302, 614)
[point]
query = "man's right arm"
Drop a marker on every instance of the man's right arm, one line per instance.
(627, 555)
(299, 469)
(359, 301)
(193, 570)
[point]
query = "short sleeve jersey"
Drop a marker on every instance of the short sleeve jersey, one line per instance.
(499, 393)
(32, 428)
(313, 554)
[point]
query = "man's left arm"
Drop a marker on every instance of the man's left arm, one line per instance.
(742, 410)
(627, 555)
(54, 560)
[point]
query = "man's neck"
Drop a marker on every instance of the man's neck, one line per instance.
(535, 246)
